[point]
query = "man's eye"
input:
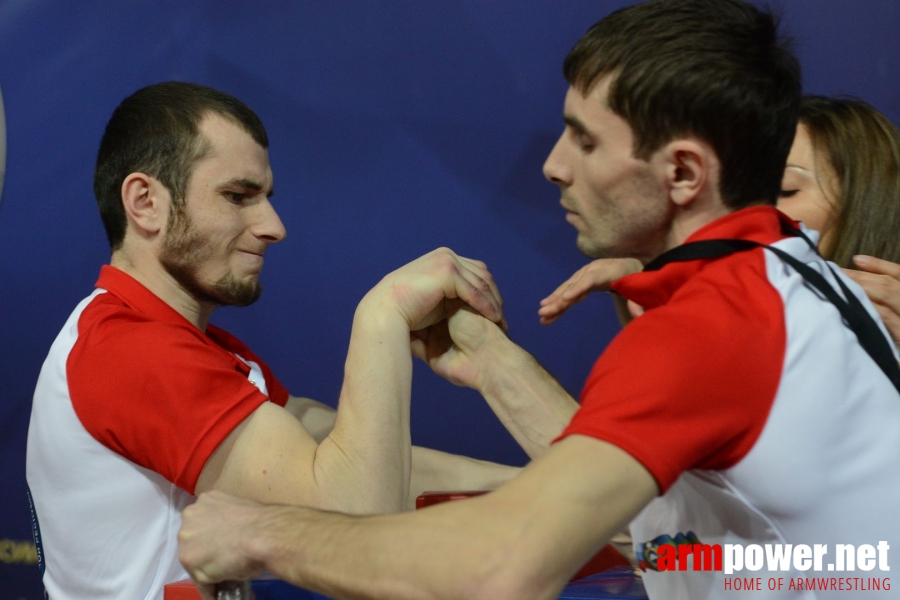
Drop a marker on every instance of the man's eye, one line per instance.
(235, 197)
(787, 193)
(586, 143)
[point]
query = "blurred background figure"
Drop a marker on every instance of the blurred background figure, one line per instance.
(843, 180)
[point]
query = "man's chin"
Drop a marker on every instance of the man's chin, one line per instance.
(238, 293)
(594, 251)
(588, 248)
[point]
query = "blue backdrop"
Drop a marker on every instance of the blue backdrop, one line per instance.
(396, 127)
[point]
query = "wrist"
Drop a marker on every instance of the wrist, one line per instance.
(379, 314)
(263, 542)
(501, 359)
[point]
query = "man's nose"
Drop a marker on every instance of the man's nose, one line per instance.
(555, 167)
(269, 226)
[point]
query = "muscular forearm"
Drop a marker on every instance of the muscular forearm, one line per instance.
(522, 541)
(527, 399)
(366, 457)
(450, 551)
(384, 557)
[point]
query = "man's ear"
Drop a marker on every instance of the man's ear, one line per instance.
(689, 166)
(144, 206)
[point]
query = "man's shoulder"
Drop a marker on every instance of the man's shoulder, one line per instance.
(735, 290)
(227, 340)
(111, 319)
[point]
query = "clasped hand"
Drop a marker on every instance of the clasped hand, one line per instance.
(420, 291)
(451, 306)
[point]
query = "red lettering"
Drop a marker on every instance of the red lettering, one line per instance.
(667, 558)
(684, 551)
(745, 583)
(707, 557)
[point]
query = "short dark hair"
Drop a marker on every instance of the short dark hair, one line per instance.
(156, 131)
(715, 69)
(862, 146)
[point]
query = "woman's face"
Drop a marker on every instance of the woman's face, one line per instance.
(810, 187)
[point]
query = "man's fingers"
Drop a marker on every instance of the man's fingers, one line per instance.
(554, 305)
(602, 273)
(421, 288)
(595, 276)
(551, 312)
(481, 269)
(477, 294)
(560, 291)
(549, 318)
(471, 281)
(477, 288)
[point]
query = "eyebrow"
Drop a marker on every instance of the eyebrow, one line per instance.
(575, 123)
(248, 184)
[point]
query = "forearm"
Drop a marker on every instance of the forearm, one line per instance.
(433, 471)
(526, 398)
(522, 541)
(381, 557)
(446, 552)
(366, 457)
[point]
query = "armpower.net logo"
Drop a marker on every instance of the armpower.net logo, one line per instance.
(863, 567)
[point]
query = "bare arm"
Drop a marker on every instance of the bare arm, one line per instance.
(363, 464)
(436, 471)
(316, 418)
(471, 351)
(528, 400)
(432, 470)
(523, 541)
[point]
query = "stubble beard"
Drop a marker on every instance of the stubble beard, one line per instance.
(639, 234)
(184, 250)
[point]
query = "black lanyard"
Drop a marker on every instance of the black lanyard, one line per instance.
(855, 316)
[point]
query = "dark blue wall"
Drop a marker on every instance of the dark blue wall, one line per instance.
(396, 127)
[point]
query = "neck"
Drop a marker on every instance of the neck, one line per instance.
(694, 215)
(148, 271)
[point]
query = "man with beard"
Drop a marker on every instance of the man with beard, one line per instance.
(142, 403)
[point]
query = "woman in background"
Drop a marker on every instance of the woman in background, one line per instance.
(842, 179)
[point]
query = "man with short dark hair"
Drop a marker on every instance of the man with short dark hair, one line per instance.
(738, 409)
(142, 403)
